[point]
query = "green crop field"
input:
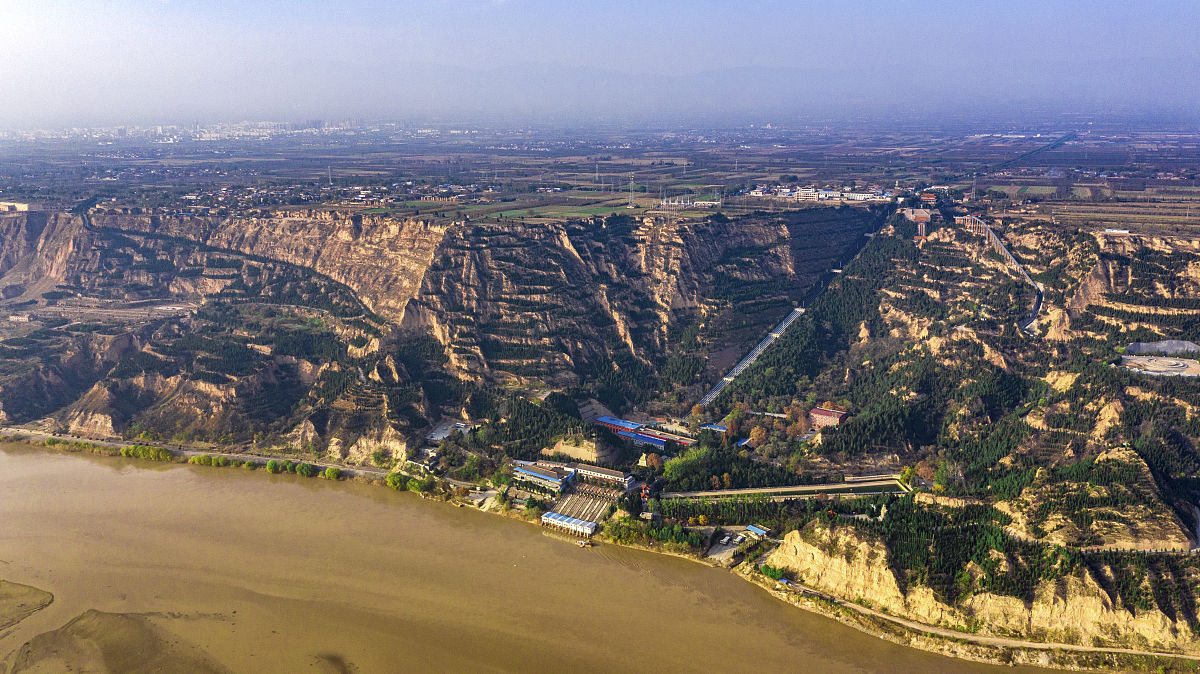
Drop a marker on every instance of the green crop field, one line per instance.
(1038, 189)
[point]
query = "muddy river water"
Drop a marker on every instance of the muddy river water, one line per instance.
(249, 572)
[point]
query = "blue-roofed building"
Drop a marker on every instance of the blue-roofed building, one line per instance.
(757, 531)
(714, 427)
(743, 442)
(569, 524)
(618, 425)
(554, 479)
(640, 439)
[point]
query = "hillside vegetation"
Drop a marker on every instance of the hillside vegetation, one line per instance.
(1044, 461)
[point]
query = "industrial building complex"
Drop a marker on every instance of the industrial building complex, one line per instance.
(643, 434)
(582, 492)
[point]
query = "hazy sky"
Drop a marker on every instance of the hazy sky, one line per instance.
(81, 62)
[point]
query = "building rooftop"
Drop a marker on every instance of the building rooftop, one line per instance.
(613, 421)
(557, 518)
(657, 442)
(554, 474)
(597, 469)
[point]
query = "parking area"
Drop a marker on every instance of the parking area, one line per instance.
(1162, 366)
(724, 546)
(445, 428)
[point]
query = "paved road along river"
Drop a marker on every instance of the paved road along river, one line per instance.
(254, 572)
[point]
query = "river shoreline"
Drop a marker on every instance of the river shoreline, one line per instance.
(272, 572)
(1039, 656)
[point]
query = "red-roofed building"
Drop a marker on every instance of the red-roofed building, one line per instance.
(820, 417)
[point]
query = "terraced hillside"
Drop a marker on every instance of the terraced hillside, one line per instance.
(920, 346)
(1050, 480)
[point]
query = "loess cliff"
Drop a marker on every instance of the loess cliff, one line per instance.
(510, 299)
(1077, 608)
(343, 333)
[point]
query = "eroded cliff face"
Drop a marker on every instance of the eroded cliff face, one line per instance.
(548, 304)
(1103, 278)
(853, 566)
(37, 249)
(1075, 609)
(548, 298)
(510, 300)
(178, 403)
(524, 299)
(70, 367)
(1111, 276)
(386, 442)
(382, 259)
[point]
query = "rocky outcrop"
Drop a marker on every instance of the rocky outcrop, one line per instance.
(336, 450)
(71, 366)
(1077, 609)
(1097, 282)
(387, 440)
(302, 437)
(844, 563)
(93, 415)
(1108, 417)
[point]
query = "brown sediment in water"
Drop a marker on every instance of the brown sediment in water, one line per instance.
(18, 602)
(110, 642)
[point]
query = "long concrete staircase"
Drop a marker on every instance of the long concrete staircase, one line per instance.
(745, 362)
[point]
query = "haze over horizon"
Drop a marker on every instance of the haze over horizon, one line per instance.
(91, 62)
